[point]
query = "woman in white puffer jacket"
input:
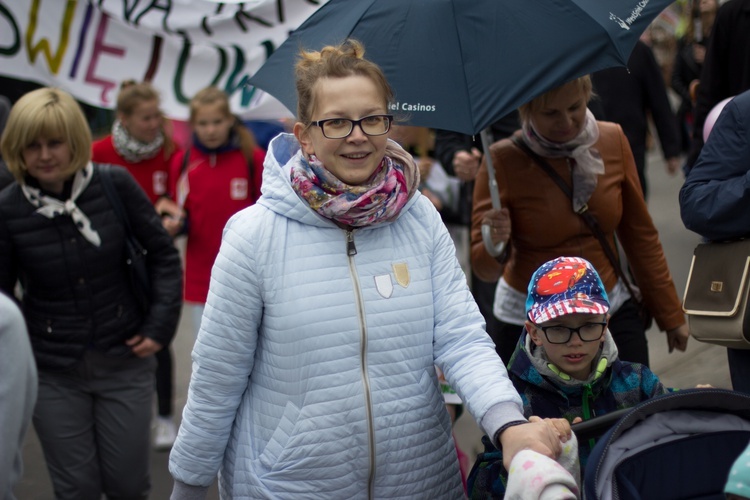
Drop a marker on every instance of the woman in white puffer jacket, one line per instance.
(330, 302)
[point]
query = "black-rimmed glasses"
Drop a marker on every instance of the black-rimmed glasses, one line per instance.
(588, 332)
(339, 128)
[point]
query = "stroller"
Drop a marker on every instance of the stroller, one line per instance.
(676, 446)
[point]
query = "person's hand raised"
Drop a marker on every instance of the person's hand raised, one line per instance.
(499, 222)
(466, 164)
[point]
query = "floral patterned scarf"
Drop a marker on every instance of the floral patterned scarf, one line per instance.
(377, 201)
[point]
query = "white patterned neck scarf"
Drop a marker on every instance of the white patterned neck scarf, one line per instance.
(130, 148)
(586, 162)
(52, 207)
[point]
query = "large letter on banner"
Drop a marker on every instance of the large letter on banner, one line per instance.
(44, 44)
(16, 45)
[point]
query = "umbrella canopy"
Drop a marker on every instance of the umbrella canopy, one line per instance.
(463, 64)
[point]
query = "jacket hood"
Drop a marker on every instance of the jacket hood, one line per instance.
(530, 358)
(277, 193)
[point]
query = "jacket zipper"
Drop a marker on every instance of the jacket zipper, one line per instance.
(588, 398)
(351, 251)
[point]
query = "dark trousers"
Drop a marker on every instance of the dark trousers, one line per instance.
(484, 295)
(739, 369)
(93, 423)
(625, 325)
(164, 378)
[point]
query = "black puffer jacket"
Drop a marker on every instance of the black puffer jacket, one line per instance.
(75, 295)
(6, 177)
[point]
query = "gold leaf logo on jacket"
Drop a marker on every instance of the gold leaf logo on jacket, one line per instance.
(401, 270)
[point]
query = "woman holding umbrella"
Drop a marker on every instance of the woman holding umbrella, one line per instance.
(331, 300)
(582, 170)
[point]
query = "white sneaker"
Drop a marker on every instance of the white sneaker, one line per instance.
(164, 434)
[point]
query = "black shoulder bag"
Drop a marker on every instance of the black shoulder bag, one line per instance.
(135, 254)
(593, 225)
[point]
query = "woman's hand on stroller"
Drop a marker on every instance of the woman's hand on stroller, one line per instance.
(560, 425)
(542, 436)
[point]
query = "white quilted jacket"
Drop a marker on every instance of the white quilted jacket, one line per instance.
(313, 373)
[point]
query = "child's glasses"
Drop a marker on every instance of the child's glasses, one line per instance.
(588, 332)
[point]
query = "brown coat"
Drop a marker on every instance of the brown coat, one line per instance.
(544, 225)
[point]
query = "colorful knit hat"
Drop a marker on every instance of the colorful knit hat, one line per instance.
(565, 285)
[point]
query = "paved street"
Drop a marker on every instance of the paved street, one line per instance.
(702, 363)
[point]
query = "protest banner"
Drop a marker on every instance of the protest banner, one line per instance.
(87, 47)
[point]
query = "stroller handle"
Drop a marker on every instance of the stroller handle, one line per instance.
(595, 427)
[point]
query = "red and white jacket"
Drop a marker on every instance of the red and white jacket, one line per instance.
(212, 188)
(152, 174)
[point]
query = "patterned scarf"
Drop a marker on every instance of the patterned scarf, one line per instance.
(130, 148)
(52, 207)
(586, 162)
(377, 201)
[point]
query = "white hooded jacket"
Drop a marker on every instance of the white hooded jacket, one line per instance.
(313, 372)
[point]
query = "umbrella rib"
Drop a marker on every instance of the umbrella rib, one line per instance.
(463, 69)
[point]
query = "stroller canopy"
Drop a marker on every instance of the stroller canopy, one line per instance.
(676, 446)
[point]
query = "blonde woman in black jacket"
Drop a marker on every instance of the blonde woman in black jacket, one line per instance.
(62, 240)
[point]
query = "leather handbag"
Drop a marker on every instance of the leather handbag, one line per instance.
(135, 255)
(716, 294)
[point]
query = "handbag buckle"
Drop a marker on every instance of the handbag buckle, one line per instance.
(717, 286)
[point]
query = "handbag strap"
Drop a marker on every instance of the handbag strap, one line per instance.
(583, 212)
(110, 191)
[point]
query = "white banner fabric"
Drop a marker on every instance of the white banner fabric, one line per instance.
(88, 47)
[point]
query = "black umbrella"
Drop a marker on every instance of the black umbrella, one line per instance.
(461, 65)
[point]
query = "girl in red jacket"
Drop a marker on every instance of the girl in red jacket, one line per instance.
(141, 143)
(219, 175)
(139, 140)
